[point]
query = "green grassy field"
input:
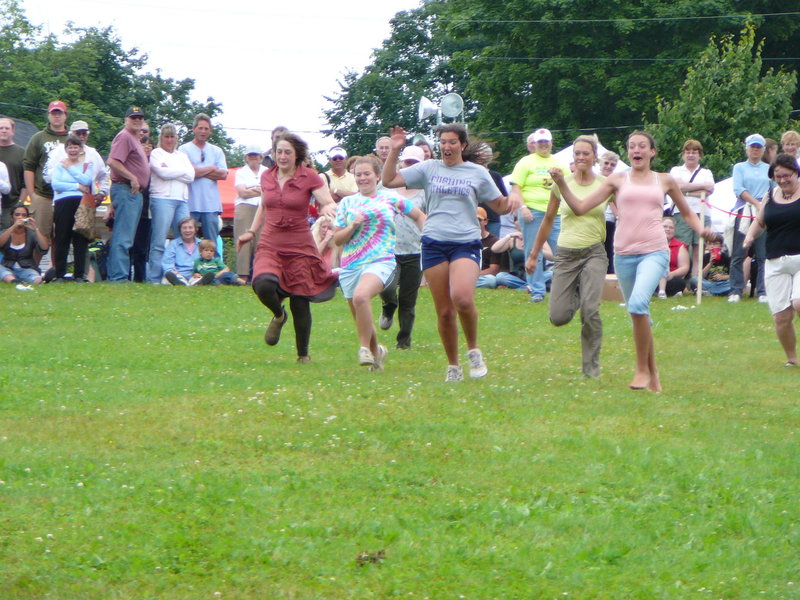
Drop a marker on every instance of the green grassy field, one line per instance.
(151, 446)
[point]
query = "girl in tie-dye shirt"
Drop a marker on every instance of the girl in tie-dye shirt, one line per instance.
(365, 227)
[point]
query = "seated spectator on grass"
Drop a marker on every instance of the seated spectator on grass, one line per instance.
(210, 270)
(674, 283)
(178, 260)
(322, 232)
(716, 271)
(494, 271)
(20, 245)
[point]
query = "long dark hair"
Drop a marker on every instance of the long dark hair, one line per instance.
(475, 150)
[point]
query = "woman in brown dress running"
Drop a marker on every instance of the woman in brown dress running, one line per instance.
(287, 263)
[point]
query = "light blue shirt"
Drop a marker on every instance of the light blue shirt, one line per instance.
(177, 258)
(204, 192)
(65, 180)
(749, 177)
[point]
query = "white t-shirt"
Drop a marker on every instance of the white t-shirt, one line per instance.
(683, 174)
(246, 177)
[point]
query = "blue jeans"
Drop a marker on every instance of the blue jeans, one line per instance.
(127, 210)
(209, 224)
(228, 278)
(638, 276)
(508, 280)
(165, 213)
(536, 280)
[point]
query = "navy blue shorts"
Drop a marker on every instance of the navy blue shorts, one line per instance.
(435, 252)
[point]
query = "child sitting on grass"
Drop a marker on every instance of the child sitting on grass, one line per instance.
(210, 270)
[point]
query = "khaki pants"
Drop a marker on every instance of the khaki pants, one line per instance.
(579, 275)
(242, 219)
(42, 210)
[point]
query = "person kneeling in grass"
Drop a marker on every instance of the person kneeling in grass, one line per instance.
(210, 270)
(365, 227)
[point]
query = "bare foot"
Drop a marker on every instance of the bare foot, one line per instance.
(655, 383)
(640, 381)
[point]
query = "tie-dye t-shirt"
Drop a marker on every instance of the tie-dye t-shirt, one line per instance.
(374, 239)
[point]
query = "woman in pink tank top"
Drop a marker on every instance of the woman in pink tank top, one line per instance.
(641, 254)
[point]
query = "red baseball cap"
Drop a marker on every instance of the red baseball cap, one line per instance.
(57, 105)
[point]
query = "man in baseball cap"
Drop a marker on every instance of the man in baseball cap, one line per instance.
(40, 147)
(341, 182)
(130, 174)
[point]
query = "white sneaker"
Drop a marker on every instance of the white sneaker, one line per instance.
(734, 298)
(385, 322)
(379, 358)
(454, 373)
(24, 288)
(763, 299)
(662, 295)
(365, 358)
(679, 294)
(477, 367)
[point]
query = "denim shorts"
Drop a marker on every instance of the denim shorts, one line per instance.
(435, 252)
(349, 278)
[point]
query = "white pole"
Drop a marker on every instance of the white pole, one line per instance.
(700, 247)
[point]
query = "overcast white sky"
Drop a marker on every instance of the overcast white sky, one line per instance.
(268, 63)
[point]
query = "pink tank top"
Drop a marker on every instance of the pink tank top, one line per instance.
(640, 210)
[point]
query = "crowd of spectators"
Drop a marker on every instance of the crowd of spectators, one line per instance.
(172, 188)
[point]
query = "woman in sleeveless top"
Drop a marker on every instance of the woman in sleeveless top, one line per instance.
(641, 254)
(779, 216)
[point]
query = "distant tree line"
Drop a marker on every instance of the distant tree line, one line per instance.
(576, 67)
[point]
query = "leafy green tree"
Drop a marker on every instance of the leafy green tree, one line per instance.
(725, 98)
(568, 66)
(412, 63)
(90, 70)
(552, 68)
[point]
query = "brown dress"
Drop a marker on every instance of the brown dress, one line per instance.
(286, 250)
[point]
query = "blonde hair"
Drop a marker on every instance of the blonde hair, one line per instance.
(588, 139)
(790, 136)
(317, 226)
(208, 245)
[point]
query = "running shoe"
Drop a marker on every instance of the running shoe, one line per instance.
(477, 366)
(454, 373)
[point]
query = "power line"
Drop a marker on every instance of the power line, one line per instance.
(604, 59)
(622, 20)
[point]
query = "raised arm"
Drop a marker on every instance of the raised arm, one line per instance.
(580, 207)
